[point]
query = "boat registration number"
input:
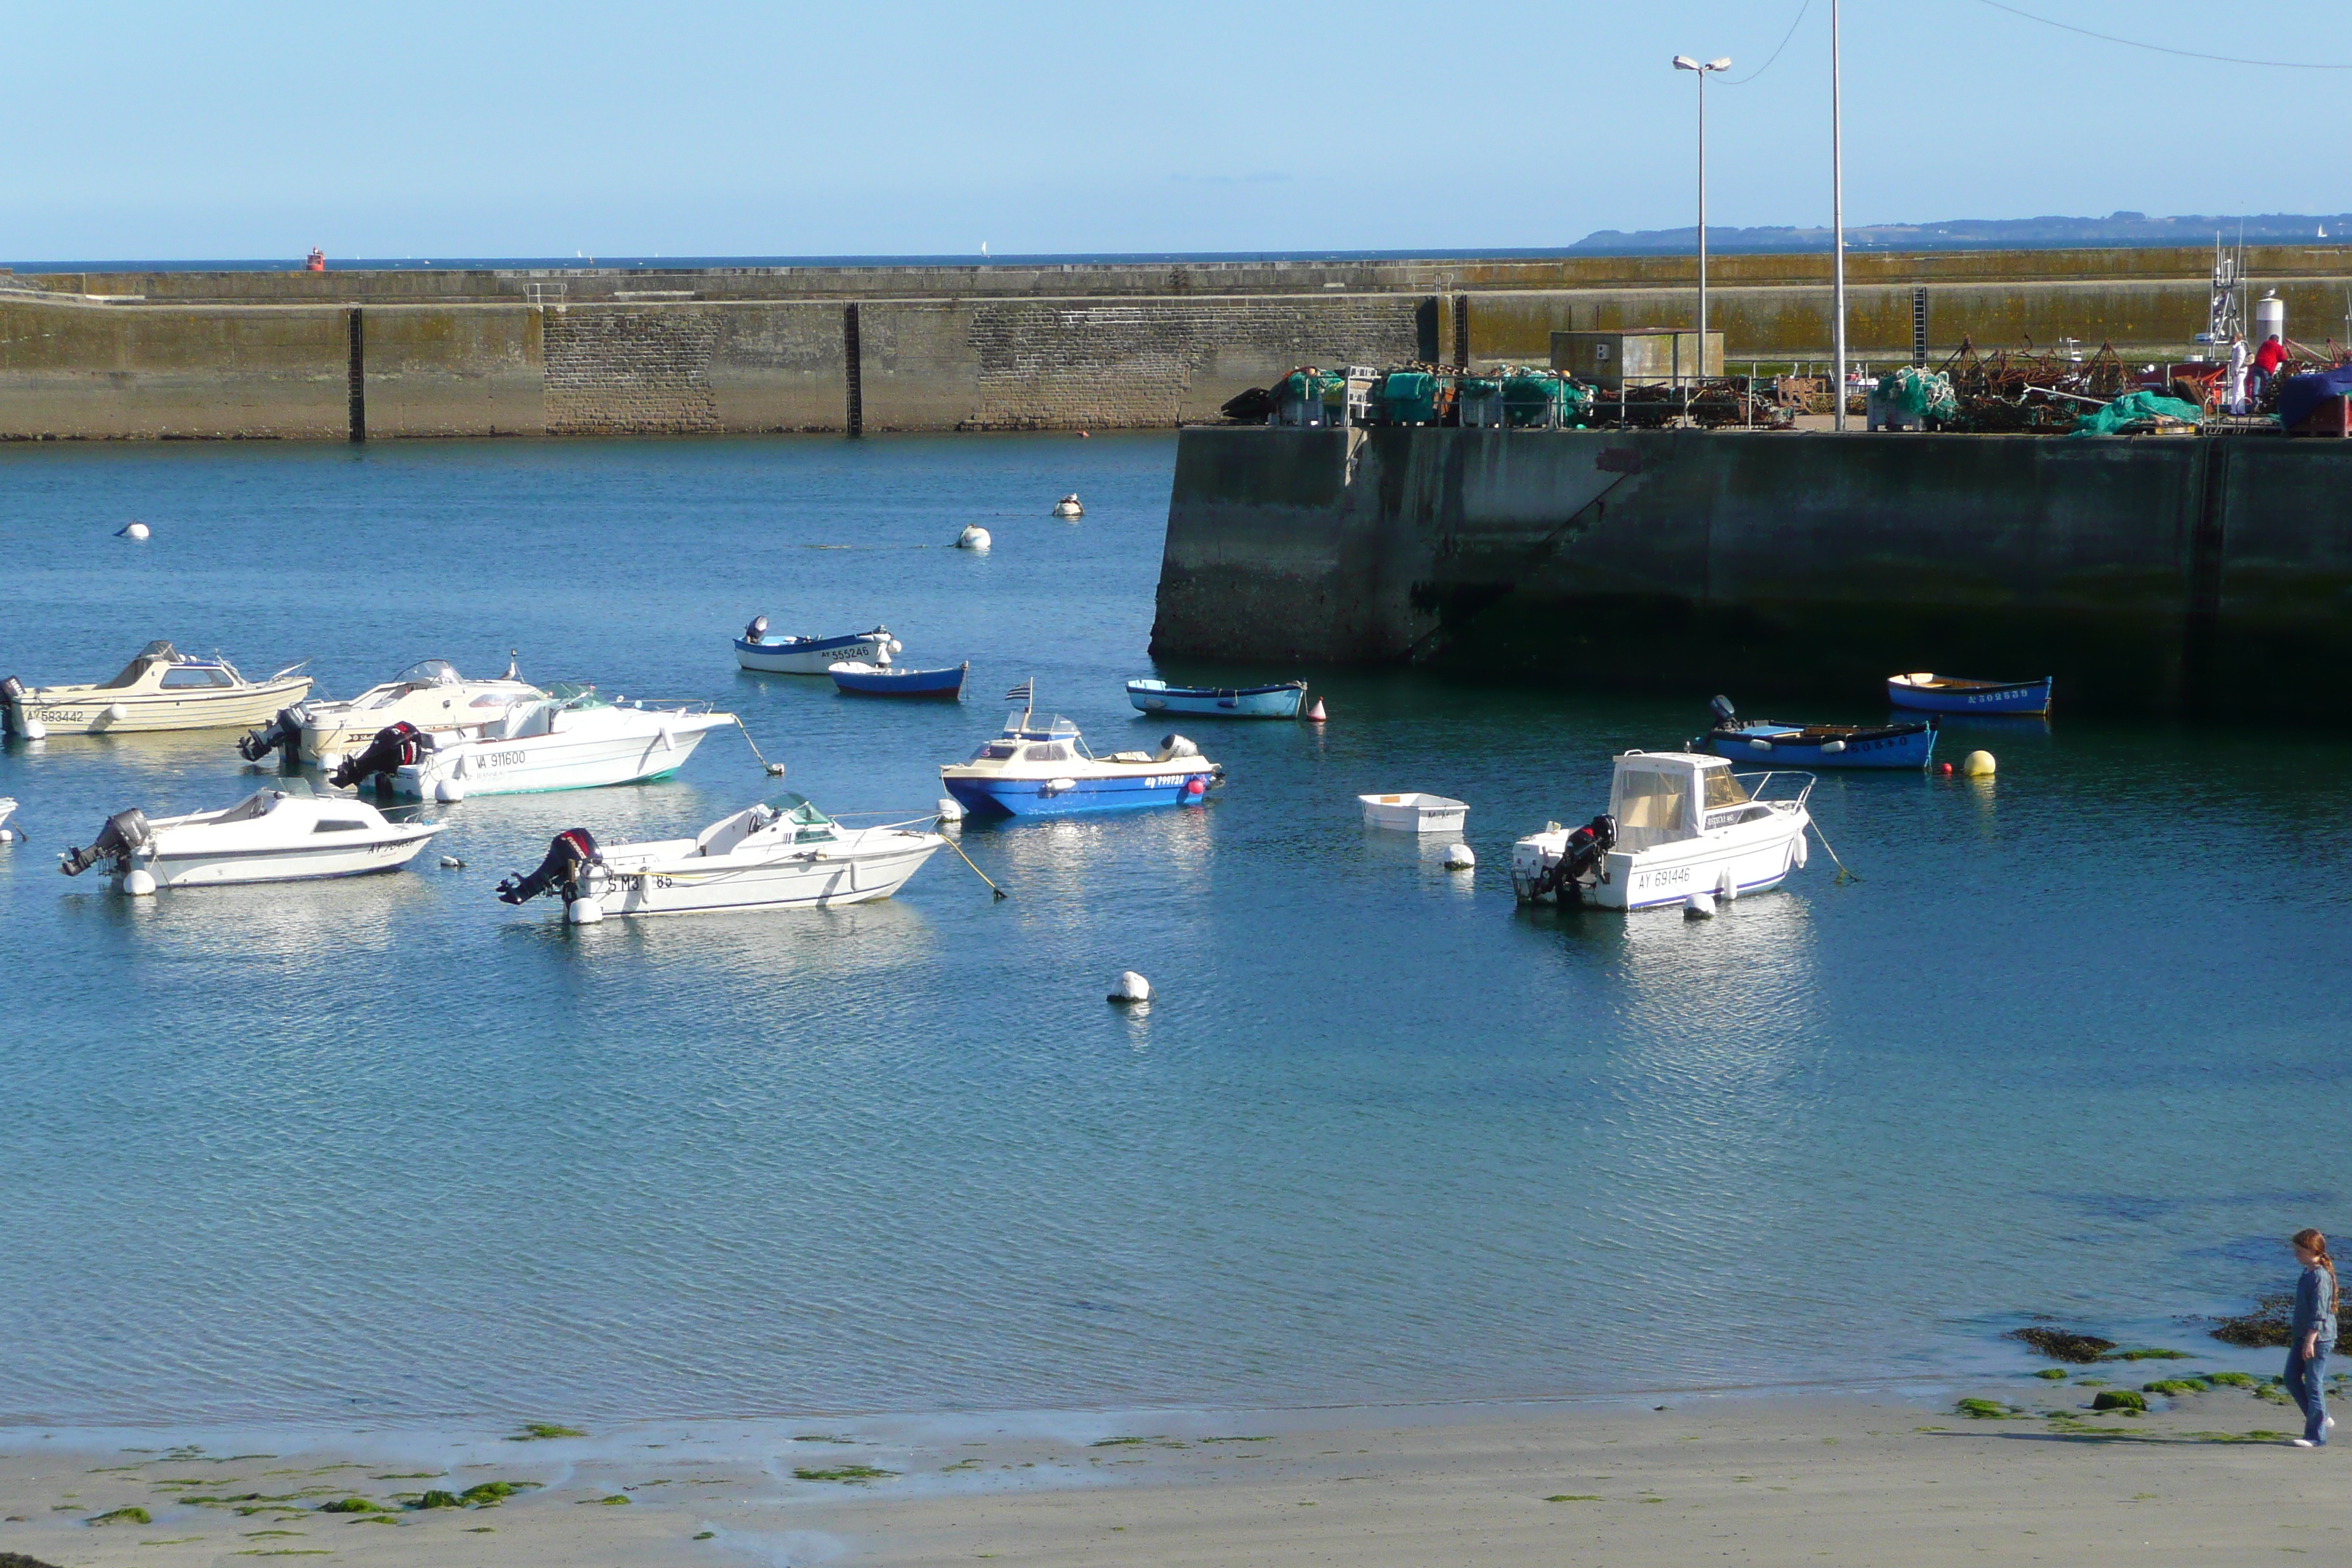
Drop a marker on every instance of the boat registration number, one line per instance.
(1675, 877)
(57, 715)
(1165, 781)
(498, 759)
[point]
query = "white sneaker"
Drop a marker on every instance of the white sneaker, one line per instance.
(2327, 1424)
(2305, 1443)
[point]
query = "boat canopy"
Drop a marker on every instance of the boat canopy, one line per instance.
(1662, 797)
(796, 809)
(156, 652)
(428, 672)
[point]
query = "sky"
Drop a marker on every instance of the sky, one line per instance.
(155, 130)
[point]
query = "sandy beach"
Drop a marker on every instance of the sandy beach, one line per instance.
(2202, 1478)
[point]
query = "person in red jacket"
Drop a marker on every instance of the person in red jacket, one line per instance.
(2267, 359)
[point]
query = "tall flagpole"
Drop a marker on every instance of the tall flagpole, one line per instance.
(1837, 211)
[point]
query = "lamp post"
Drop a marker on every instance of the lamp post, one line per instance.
(1684, 63)
(1837, 213)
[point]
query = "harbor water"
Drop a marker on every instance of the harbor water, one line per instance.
(389, 1151)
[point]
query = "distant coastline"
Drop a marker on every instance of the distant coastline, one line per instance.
(2123, 228)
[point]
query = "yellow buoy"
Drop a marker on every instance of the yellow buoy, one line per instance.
(1978, 765)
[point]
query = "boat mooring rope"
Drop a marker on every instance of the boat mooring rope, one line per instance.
(1844, 875)
(775, 770)
(975, 869)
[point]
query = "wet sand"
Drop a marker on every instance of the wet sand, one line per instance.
(1745, 1481)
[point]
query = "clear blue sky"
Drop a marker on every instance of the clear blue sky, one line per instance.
(164, 131)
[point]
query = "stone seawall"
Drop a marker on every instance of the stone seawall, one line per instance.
(2206, 576)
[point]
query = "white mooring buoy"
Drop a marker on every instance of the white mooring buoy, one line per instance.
(974, 537)
(139, 883)
(1459, 858)
(133, 531)
(584, 912)
(1699, 907)
(1131, 988)
(951, 809)
(1978, 765)
(1068, 506)
(34, 729)
(1316, 715)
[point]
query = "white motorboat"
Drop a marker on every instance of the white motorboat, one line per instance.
(8, 809)
(1679, 827)
(781, 854)
(755, 649)
(572, 739)
(282, 834)
(430, 695)
(160, 688)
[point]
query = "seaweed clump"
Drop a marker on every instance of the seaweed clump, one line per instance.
(134, 1515)
(2270, 1324)
(352, 1505)
(2063, 1345)
(438, 1497)
(2119, 1399)
(846, 1473)
(1984, 1410)
(544, 1431)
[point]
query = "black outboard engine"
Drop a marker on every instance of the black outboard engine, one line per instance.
(12, 692)
(123, 832)
(571, 849)
(757, 629)
(393, 748)
(283, 731)
(1725, 714)
(1586, 846)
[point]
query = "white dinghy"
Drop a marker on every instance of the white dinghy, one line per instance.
(429, 694)
(573, 740)
(782, 854)
(1679, 827)
(282, 834)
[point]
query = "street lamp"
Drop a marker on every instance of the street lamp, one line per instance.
(1684, 63)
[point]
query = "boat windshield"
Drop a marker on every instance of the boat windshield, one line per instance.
(1723, 790)
(797, 809)
(428, 672)
(577, 694)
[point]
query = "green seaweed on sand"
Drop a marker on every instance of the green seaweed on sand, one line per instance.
(490, 1494)
(543, 1431)
(1236, 1439)
(409, 1475)
(1985, 1409)
(482, 1530)
(377, 1518)
(2147, 1355)
(170, 1541)
(707, 1535)
(2119, 1399)
(436, 1498)
(2229, 1379)
(615, 1500)
(2272, 1393)
(268, 1534)
(850, 1474)
(2053, 1372)
(822, 1438)
(1573, 1497)
(134, 1515)
(2063, 1345)
(285, 1551)
(352, 1505)
(2175, 1386)
(1122, 1442)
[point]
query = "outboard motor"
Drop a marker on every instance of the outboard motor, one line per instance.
(285, 730)
(1582, 852)
(570, 850)
(124, 832)
(1725, 714)
(12, 692)
(757, 630)
(393, 748)
(1173, 746)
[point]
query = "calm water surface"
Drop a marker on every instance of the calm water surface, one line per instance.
(389, 1149)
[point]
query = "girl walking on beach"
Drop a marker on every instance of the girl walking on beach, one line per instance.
(2316, 1297)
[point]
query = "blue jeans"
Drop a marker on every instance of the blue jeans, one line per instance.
(2307, 1381)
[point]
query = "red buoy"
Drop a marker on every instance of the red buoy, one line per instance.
(1316, 715)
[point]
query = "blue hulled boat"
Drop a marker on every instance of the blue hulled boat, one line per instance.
(1817, 745)
(877, 680)
(1279, 701)
(1950, 694)
(1034, 770)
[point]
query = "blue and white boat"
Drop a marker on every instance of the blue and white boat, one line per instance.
(860, 680)
(1816, 745)
(1950, 694)
(1279, 701)
(1046, 770)
(755, 649)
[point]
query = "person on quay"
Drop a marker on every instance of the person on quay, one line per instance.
(2267, 359)
(2316, 1297)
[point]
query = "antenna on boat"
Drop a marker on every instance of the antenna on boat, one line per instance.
(1025, 694)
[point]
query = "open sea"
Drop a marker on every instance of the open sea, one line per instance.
(389, 1151)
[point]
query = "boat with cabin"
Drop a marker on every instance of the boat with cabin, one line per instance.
(1281, 700)
(1679, 825)
(856, 678)
(429, 694)
(780, 854)
(573, 740)
(1930, 693)
(1046, 770)
(160, 688)
(1899, 745)
(284, 833)
(756, 650)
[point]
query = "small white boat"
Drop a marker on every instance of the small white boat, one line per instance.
(573, 740)
(1414, 813)
(430, 695)
(160, 688)
(8, 809)
(755, 649)
(782, 854)
(282, 834)
(1068, 507)
(1679, 825)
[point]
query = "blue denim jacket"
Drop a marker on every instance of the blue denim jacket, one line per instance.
(2315, 1307)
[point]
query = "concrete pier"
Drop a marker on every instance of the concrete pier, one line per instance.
(2208, 576)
